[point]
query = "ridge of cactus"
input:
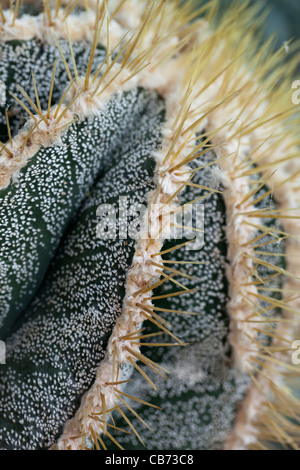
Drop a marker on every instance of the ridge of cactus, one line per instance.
(167, 107)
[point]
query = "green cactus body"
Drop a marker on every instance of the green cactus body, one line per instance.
(123, 116)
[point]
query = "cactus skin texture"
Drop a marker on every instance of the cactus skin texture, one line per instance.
(123, 104)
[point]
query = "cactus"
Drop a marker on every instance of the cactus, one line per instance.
(123, 115)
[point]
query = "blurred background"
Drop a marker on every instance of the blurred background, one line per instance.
(284, 17)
